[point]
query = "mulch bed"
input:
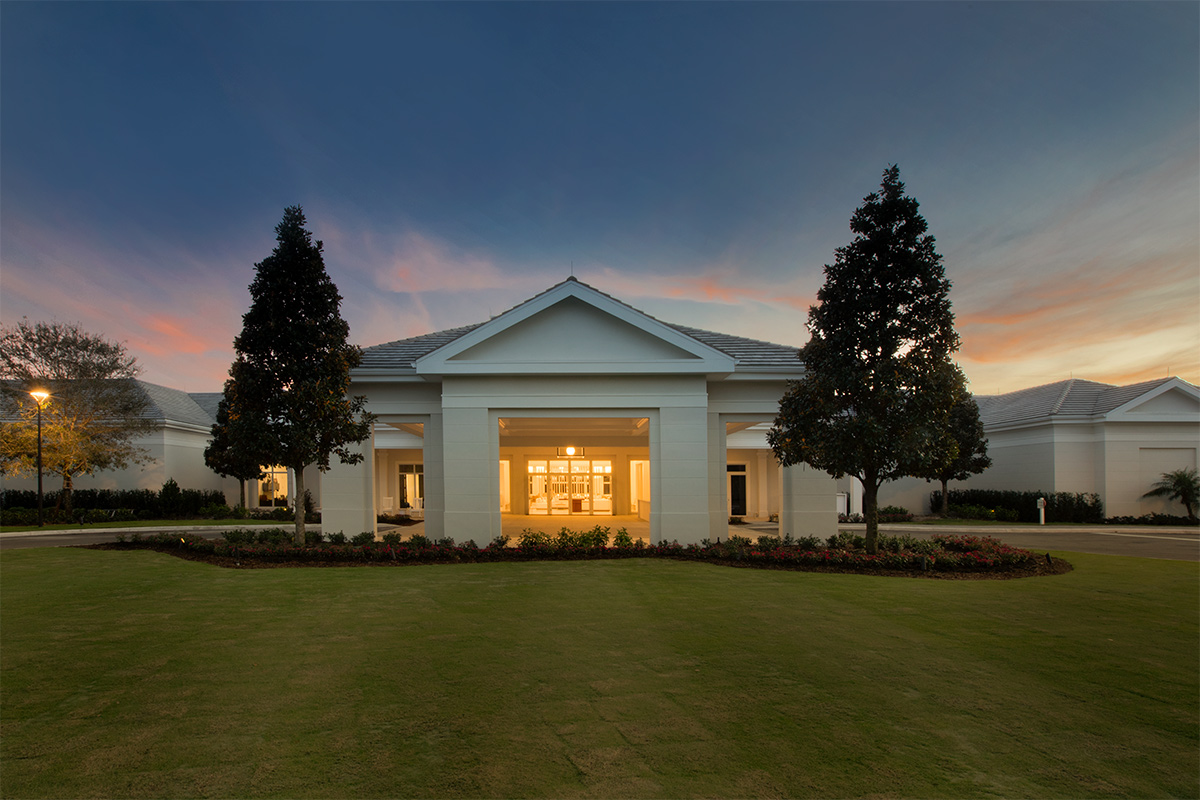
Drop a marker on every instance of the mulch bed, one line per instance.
(1045, 565)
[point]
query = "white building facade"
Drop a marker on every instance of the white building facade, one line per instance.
(578, 408)
(1078, 436)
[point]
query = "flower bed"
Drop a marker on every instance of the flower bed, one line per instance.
(941, 556)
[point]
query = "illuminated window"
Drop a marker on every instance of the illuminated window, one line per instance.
(412, 486)
(273, 489)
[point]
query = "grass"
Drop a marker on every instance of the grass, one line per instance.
(134, 674)
(151, 523)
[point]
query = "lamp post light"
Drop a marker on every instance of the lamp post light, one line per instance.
(40, 396)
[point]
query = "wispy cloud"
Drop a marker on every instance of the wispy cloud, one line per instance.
(179, 323)
(1107, 288)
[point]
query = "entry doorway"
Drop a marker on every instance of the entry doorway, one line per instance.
(570, 487)
(736, 489)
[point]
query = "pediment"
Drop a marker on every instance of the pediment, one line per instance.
(1174, 400)
(574, 329)
(1166, 403)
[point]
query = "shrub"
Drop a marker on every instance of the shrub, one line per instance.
(237, 536)
(366, 537)
(531, 539)
(418, 541)
(845, 540)
(336, 538)
(942, 553)
(216, 511)
(769, 541)
(143, 503)
(311, 537)
(623, 540)
(894, 514)
(499, 543)
(280, 536)
(96, 515)
(1152, 519)
(391, 539)
(170, 500)
(1060, 506)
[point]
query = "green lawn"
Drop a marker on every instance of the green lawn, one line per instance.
(164, 524)
(135, 674)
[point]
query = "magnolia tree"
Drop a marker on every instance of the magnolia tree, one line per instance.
(286, 400)
(93, 415)
(879, 386)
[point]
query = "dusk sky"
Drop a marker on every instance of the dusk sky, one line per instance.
(699, 161)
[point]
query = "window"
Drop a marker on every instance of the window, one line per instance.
(412, 486)
(273, 489)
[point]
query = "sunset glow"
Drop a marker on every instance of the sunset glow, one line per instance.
(459, 159)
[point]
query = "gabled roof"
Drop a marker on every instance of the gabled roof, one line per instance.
(1064, 400)
(745, 355)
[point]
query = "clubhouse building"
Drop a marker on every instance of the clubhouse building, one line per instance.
(574, 407)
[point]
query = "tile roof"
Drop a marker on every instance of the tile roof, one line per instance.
(170, 405)
(1072, 398)
(173, 405)
(208, 402)
(749, 354)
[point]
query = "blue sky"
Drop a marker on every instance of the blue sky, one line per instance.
(700, 161)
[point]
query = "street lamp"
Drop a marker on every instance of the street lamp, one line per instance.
(40, 396)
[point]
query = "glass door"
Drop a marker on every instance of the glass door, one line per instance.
(570, 486)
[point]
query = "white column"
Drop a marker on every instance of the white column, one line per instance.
(808, 503)
(718, 500)
(433, 465)
(348, 494)
(765, 457)
(472, 489)
(680, 499)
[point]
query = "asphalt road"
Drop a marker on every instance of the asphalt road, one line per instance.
(1179, 544)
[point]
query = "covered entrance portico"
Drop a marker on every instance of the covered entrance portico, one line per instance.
(634, 417)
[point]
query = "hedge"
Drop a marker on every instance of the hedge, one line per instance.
(946, 553)
(120, 504)
(1060, 506)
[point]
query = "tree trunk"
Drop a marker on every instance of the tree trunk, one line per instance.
(64, 497)
(299, 504)
(871, 511)
(945, 497)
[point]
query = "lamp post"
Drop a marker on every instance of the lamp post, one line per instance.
(39, 395)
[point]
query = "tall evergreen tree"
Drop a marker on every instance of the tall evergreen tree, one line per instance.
(286, 399)
(879, 384)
